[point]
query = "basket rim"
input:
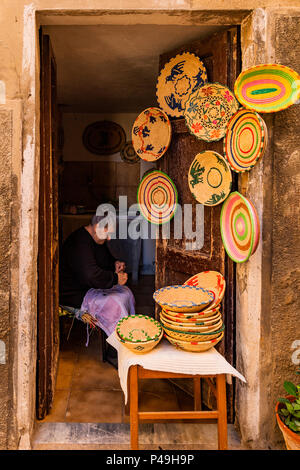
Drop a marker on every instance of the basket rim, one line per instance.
(176, 286)
(128, 317)
(196, 333)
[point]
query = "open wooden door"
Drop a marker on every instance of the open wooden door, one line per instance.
(174, 263)
(48, 322)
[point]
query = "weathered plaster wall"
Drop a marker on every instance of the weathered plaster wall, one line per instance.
(268, 320)
(285, 314)
(19, 172)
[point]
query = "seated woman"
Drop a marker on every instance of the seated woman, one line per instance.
(91, 279)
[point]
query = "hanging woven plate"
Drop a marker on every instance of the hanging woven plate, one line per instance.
(256, 227)
(151, 134)
(267, 88)
(177, 80)
(128, 154)
(238, 227)
(183, 298)
(244, 143)
(157, 197)
(211, 280)
(209, 178)
(208, 111)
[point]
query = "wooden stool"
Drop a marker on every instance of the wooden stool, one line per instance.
(136, 372)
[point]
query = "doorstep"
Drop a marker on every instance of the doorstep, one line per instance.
(116, 436)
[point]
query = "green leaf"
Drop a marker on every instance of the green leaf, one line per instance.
(293, 427)
(296, 406)
(284, 412)
(284, 400)
(290, 407)
(296, 413)
(290, 388)
(287, 421)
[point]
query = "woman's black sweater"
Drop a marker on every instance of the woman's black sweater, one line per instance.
(84, 264)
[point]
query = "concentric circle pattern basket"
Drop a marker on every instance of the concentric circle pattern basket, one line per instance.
(138, 328)
(194, 346)
(191, 327)
(180, 298)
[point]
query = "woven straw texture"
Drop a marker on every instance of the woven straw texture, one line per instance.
(208, 111)
(138, 328)
(180, 76)
(196, 336)
(141, 347)
(183, 298)
(194, 346)
(192, 329)
(210, 280)
(267, 88)
(209, 178)
(191, 316)
(151, 134)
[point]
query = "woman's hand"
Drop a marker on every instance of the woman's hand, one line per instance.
(122, 278)
(120, 266)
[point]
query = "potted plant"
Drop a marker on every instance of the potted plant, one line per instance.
(288, 415)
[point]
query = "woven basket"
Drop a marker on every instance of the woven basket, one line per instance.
(194, 346)
(192, 328)
(185, 336)
(183, 298)
(191, 316)
(191, 321)
(138, 328)
(143, 346)
(212, 316)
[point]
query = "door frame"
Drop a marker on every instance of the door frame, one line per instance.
(252, 23)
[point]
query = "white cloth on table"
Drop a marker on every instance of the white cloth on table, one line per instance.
(108, 306)
(165, 357)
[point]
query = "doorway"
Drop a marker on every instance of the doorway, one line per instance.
(127, 73)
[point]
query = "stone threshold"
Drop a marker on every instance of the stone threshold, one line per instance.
(116, 436)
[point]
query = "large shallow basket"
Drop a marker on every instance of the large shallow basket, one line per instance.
(190, 322)
(193, 346)
(196, 336)
(141, 347)
(138, 328)
(183, 298)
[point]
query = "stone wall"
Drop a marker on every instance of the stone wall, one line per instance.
(285, 282)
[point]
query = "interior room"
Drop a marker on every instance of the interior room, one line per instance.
(106, 73)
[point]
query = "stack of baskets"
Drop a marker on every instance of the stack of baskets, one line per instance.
(139, 333)
(193, 325)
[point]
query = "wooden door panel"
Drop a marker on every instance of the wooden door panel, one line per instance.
(47, 322)
(174, 263)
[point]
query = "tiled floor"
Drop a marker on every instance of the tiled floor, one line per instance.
(88, 391)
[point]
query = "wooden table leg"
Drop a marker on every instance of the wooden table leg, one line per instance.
(134, 396)
(197, 394)
(222, 412)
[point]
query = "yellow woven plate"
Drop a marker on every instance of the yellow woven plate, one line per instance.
(209, 178)
(181, 76)
(211, 280)
(193, 346)
(208, 111)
